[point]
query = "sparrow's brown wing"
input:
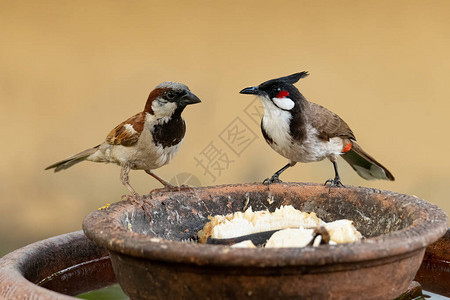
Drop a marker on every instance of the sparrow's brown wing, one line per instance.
(127, 133)
(327, 123)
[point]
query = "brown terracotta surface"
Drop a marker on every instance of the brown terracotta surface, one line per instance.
(54, 268)
(151, 262)
(434, 273)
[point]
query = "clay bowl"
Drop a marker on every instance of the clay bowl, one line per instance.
(55, 269)
(151, 260)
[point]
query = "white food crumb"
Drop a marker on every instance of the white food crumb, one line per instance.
(292, 237)
(244, 244)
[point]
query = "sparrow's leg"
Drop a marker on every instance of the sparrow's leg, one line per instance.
(275, 177)
(337, 180)
(163, 182)
(167, 186)
(134, 197)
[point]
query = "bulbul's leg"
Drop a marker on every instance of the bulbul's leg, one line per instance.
(275, 177)
(134, 197)
(337, 180)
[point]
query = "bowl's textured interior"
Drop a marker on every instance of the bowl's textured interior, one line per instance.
(55, 268)
(179, 218)
(397, 229)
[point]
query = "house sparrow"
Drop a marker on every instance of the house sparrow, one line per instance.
(147, 140)
(303, 131)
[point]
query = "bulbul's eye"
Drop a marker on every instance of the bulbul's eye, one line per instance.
(276, 90)
(170, 95)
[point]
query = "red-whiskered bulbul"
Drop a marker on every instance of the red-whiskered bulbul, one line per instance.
(303, 131)
(147, 140)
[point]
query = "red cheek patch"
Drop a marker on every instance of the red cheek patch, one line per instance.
(283, 94)
(347, 147)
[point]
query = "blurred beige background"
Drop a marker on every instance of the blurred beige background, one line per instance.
(72, 70)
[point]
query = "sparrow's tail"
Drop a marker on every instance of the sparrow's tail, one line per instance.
(365, 165)
(68, 162)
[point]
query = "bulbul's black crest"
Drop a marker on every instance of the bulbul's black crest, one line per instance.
(291, 79)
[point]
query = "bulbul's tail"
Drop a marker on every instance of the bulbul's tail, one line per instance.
(365, 165)
(68, 162)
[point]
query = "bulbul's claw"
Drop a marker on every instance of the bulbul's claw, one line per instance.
(273, 179)
(336, 182)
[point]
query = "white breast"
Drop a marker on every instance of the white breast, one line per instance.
(276, 123)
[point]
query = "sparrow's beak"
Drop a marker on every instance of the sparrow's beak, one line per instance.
(189, 98)
(250, 90)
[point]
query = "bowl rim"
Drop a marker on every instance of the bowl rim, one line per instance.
(14, 266)
(104, 227)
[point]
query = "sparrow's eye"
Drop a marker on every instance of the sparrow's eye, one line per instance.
(170, 95)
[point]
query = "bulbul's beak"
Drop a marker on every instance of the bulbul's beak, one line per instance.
(189, 98)
(250, 90)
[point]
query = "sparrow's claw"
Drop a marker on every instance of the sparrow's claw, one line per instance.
(172, 188)
(336, 182)
(134, 198)
(185, 187)
(139, 202)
